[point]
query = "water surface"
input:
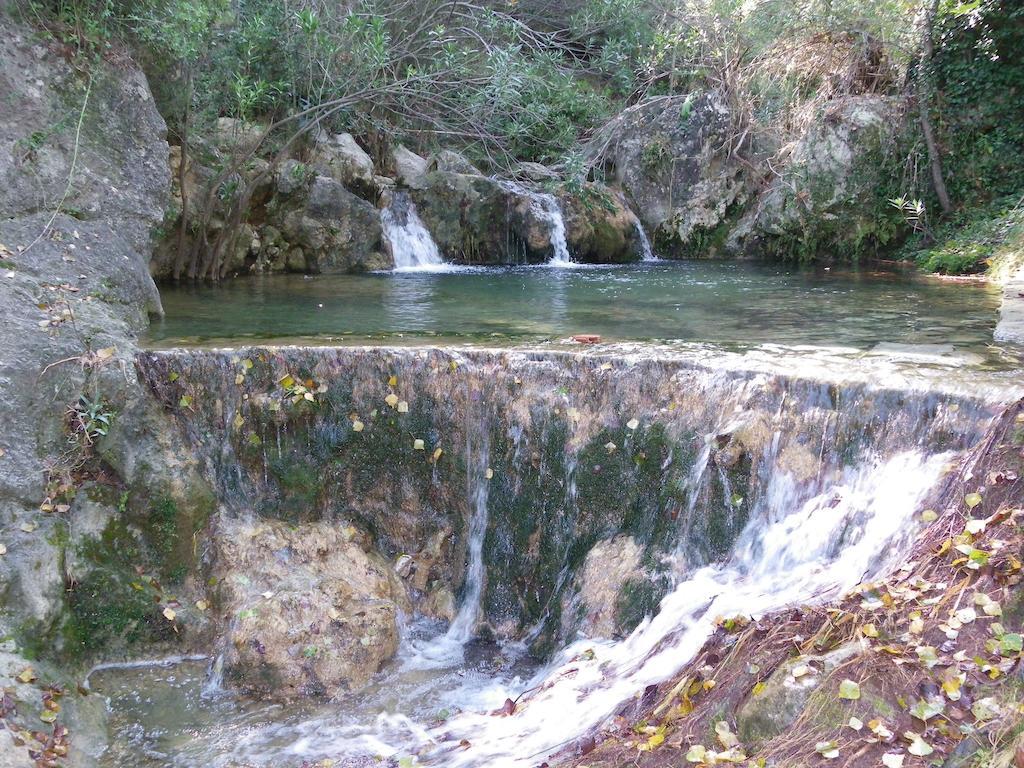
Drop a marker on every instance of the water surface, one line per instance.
(717, 302)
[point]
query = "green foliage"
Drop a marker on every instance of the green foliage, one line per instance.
(979, 74)
(968, 242)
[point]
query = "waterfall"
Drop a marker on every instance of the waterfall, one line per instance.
(821, 548)
(755, 485)
(412, 247)
(461, 629)
(544, 207)
(645, 243)
(547, 209)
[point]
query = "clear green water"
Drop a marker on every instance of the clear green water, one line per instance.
(717, 302)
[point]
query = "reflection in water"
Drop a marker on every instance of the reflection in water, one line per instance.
(720, 302)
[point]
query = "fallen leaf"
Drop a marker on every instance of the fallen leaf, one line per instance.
(850, 690)
(892, 760)
(169, 614)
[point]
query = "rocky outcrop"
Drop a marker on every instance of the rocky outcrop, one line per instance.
(322, 226)
(599, 226)
(671, 157)
(820, 202)
(94, 518)
(311, 612)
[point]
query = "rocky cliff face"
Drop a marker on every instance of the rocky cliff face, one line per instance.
(76, 505)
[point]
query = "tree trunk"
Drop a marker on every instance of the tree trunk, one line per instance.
(925, 92)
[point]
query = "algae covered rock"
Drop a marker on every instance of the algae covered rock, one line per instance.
(819, 203)
(309, 612)
(599, 227)
(609, 566)
(670, 155)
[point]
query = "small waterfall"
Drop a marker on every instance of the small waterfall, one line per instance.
(645, 243)
(822, 547)
(412, 247)
(547, 209)
(461, 629)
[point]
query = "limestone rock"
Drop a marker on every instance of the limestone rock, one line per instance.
(817, 203)
(409, 167)
(535, 172)
(342, 159)
(336, 230)
(452, 162)
(667, 154)
(609, 565)
(599, 227)
(311, 613)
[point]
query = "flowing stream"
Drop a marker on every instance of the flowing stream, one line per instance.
(821, 492)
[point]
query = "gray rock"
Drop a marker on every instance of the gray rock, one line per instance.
(668, 155)
(452, 162)
(409, 167)
(816, 202)
(336, 230)
(342, 159)
(313, 613)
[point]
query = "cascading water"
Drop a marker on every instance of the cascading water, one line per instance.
(754, 490)
(412, 247)
(544, 207)
(547, 209)
(645, 244)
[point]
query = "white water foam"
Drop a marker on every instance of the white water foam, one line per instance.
(824, 547)
(412, 247)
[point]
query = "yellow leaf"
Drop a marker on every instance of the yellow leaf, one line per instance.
(169, 614)
(27, 675)
(239, 378)
(392, 380)
(403, 407)
(489, 473)
(239, 421)
(357, 426)
(247, 364)
(286, 381)
(202, 605)
(417, 444)
(437, 454)
(758, 688)
(391, 399)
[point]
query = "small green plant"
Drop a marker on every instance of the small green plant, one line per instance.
(89, 420)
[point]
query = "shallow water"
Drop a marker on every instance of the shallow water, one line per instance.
(718, 302)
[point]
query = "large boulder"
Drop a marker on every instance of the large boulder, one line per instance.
(821, 200)
(339, 157)
(599, 226)
(311, 612)
(324, 226)
(670, 155)
(409, 167)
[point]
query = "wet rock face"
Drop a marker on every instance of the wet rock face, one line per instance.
(817, 202)
(670, 157)
(609, 566)
(562, 454)
(309, 611)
